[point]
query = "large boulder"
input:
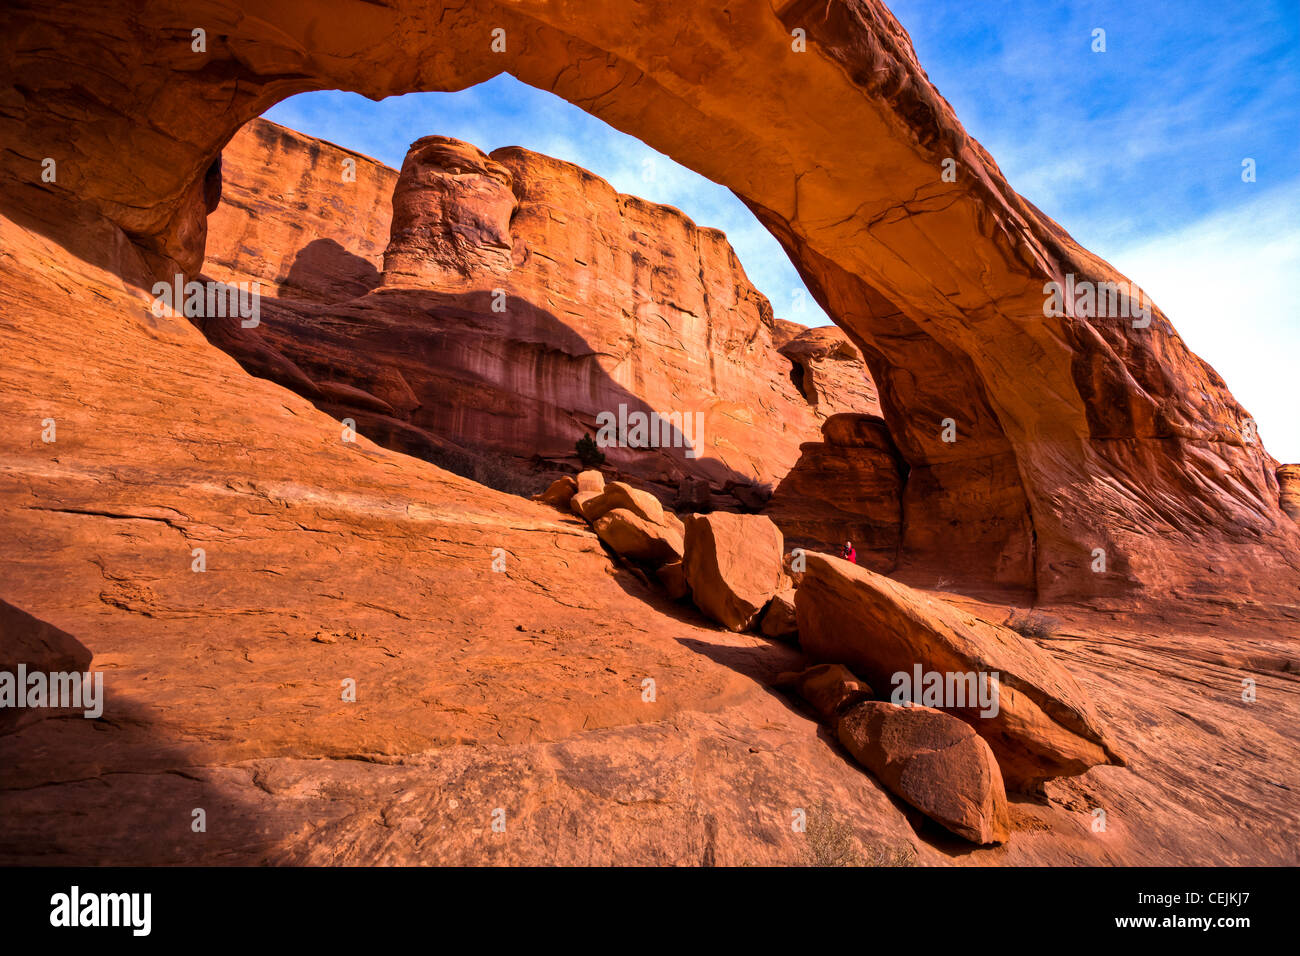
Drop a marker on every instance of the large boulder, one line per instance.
(632, 536)
(935, 762)
(1043, 726)
(733, 565)
(591, 480)
(618, 494)
(559, 493)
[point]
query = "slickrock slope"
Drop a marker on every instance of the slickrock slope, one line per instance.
(520, 690)
(520, 297)
(1074, 432)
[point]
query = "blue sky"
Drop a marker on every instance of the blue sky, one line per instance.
(1136, 151)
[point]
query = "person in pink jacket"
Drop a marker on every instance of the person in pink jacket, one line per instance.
(848, 554)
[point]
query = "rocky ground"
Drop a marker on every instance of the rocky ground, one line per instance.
(518, 690)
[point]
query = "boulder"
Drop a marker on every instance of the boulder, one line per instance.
(830, 689)
(673, 578)
(591, 480)
(779, 618)
(1044, 725)
(733, 565)
(578, 503)
(632, 536)
(560, 492)
(935, 762)
(618, 494)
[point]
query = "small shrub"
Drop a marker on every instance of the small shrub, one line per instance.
(494, 471)
(1033, 624)
(589, 453)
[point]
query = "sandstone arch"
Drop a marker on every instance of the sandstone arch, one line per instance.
(1075, 434)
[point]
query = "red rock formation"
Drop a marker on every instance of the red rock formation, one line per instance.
(306, 219)
(733, 566)
(1288, 480)
(828, 370)
(222, 698)
(520, 298)
(219, 694)
(1039, 722)
(1089, 432)
(848, 487)
(933, 761)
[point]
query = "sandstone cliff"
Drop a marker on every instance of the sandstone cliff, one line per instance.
(519, 297)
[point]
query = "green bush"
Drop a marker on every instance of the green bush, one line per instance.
(589, 453)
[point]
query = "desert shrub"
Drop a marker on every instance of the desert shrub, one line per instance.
(829, 841)
(1033, 624)
(589, 453)
(495, 471)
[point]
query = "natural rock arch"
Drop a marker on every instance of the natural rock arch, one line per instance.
(1072, 434)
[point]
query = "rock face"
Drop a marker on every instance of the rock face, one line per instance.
(827, 369)
(1074, 432)
(1288, 479)
(221, 696)
(733, 566)
(1044, 725)
(520, 298)
(935, 762)
(290, 220)
(847, 487)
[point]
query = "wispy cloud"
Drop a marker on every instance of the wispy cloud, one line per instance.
(1228, 284)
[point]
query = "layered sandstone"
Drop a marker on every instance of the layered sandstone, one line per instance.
(477, 689)
(305, 219)
(520, 298)
(828, 370)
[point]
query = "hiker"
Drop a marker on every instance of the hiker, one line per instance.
(848, 554)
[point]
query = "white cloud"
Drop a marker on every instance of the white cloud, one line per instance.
(1228, 284)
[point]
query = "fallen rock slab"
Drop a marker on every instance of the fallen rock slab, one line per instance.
(559, 493)
(632, 536)
(733, 565)
(618, 494)
(1043, 726)
(935, 762)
